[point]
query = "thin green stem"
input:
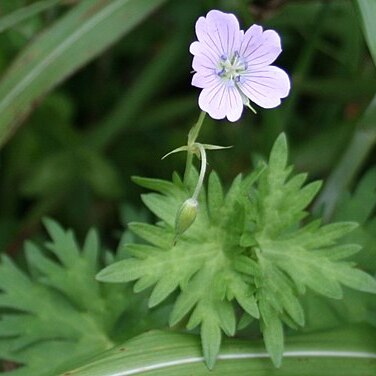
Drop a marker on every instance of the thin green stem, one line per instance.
(188, 165)
(192, 137)
(202, 171)
(194, 132)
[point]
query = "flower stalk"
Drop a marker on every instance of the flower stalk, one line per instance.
(192, 137)
(201, 177)
(187, 212)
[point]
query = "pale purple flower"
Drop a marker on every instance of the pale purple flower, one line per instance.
(232, 66)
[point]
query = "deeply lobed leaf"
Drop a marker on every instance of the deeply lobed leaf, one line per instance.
(59, 310)
(247, 249)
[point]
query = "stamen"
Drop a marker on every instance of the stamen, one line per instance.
(231, 68)
(222, 72)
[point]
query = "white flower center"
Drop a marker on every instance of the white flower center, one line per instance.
(231, 68)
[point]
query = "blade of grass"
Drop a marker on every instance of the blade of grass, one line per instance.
(362, 142)
(79, 36)
(364, 137)
(348, 351)
(22, 14)
(366, 10)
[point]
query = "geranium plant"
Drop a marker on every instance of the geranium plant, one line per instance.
(250, 251)
(216, 259)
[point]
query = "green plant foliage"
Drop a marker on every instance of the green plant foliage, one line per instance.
(22, 14)
(160, 353)
(59, 311)
(358, 205)
(247, 249)
(84, 32)
(366, 10)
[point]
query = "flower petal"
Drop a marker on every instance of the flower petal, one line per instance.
(265, 86)
(202, 57)
(221, 100)
(260, 48)
(204, 79)
(219, 33)
(235, 104)
(203, 63)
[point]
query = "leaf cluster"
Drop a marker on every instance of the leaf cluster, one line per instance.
(248, 251)
(57, 314)
(358, 205)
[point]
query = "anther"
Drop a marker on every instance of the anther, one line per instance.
(222, 72)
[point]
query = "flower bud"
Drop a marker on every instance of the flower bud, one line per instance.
(186, 215)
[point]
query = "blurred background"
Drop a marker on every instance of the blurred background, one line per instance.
(102, 101)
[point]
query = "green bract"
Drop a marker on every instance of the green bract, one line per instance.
(247, 250)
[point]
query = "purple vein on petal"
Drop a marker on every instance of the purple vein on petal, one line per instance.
(209, 57)
(262, 84)
(212, 50)
(252, 52)
(218, 51)
(219, 86)
(229, 97)
(251, 88)
(259, 57)
(228, 39)
(249, 41)
(223, 94)
(220, 39)
(233, 42)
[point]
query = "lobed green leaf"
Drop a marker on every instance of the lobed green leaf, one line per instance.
(210, 340)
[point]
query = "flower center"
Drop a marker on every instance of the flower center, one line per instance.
(231, 68)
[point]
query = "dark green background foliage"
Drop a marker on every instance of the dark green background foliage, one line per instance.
(93, 92)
